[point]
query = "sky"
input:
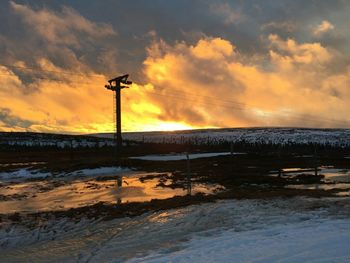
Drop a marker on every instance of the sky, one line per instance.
(194, 64)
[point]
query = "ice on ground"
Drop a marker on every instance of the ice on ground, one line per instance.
(182, 156)
(101, 171)
(20, 164)
(287, 230)
(26, 173)
(309, 241)
(23, 173)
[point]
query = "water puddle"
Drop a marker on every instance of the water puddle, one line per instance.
(330, 178)
(53, 195)
(326, 187)
(293, 172)
(332, 175)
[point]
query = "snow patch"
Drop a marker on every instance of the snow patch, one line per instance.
(27, 173)
(274, 230)
(310, 241)
(23, 173)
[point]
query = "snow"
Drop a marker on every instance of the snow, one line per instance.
(178, 157)
(25, 173)
(272, 230)
(52, 140)
(310, 241)
(276, 136)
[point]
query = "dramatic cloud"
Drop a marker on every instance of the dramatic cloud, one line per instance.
(323, 28)
(283, 26)
(8, 122)
(229, 14)
(67, 27)
(194, 64)
(52, 88)
(304, 54)
(220, 88)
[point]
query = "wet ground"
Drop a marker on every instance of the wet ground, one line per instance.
(62, 193)
(56, 189)
(168, 231)
(94, 212)
(320, 178)
(331, 179)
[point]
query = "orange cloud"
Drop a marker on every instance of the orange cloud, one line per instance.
(194, 84)
(323, 28)
(216, 48)
(206, 84)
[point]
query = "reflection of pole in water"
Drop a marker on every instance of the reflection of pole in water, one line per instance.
(316, 169)
(231, 151)
(119, 182)
(119, 186)
(280, 161)
(189, 187)
(315, 162)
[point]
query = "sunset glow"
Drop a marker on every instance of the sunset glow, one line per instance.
(237, 68)
(174, 131)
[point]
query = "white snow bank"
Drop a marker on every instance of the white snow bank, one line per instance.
(274, 230)
(182, 156)
(26, 173)
(310, 241)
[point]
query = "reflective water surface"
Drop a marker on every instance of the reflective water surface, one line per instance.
(330, 179)
(60, 194)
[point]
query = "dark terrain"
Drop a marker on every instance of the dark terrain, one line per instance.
(248, 176)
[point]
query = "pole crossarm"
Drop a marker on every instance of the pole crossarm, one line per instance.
(117, 82)
(121, 79)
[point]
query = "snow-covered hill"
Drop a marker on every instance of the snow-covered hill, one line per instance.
(27, 139)
(275, 136)
(283, 136)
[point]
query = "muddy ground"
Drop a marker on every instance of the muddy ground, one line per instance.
(249, 176)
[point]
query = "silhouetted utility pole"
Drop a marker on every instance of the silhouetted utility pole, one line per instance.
(116, 86)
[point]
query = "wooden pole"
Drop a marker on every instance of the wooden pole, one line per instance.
(118, 116)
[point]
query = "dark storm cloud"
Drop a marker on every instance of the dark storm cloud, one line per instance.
(293, 46)
(10, 121)
(61, 36)
(242, 22)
